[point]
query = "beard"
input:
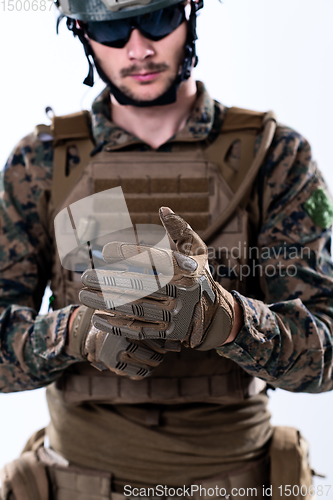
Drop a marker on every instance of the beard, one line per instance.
(149, 67)
(134, 95)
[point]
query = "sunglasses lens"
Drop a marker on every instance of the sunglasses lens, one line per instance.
(161, 23)
(110, 33)
(155, 26)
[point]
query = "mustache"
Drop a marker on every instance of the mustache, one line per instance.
(149, 67)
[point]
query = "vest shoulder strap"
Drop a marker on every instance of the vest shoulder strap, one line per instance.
(240, 179)
(240, 127)
(242, 119)
(67, 131)
(67, 127)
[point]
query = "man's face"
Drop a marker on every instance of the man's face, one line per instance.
(144, 69)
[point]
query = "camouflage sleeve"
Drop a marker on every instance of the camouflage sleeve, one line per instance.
(287, 337)
(31, 346)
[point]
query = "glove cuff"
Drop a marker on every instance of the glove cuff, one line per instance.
(79, 331)
(221, 325)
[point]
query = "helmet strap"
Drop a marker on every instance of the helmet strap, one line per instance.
(190, 52)
(71, 25)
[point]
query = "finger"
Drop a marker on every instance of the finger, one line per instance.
(162, 346)
(188, 241)
(172, 345)
(129, 328)
(142, 256)
(157, 345)
(116, 353)
(107, 299)
(104, 279)
(142, 354)
(162, 297)
(165, 324)
(148, 308)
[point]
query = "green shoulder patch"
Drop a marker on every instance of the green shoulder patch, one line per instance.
(320, 208)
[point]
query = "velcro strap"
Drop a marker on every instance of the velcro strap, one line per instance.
(219, 330)
(79, 331)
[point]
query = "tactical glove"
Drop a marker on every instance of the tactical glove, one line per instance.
(192, 308)
(131, 358)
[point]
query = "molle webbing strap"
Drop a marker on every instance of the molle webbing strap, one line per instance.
(250, 478)
(76, 483)
(220, 389)
(69, 131)
(181, 180)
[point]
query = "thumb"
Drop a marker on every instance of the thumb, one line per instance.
(187, 240)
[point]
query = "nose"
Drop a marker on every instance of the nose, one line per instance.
(138, 47)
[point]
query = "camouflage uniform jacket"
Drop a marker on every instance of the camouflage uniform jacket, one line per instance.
(287, 336)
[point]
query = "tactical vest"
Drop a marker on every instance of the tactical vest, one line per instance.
(217, 198)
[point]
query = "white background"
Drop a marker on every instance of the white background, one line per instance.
(259, 54)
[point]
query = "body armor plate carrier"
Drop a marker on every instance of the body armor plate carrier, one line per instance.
(197, 182)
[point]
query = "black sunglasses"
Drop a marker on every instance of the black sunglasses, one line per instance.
(154, 25)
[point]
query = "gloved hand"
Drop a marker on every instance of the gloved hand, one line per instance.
(131, 358)
(192, 308)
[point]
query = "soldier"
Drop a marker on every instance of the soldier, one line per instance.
(134, 410)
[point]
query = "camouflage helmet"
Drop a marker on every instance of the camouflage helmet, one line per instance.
(107, 10)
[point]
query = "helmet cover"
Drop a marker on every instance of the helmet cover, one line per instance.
(108, 10)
